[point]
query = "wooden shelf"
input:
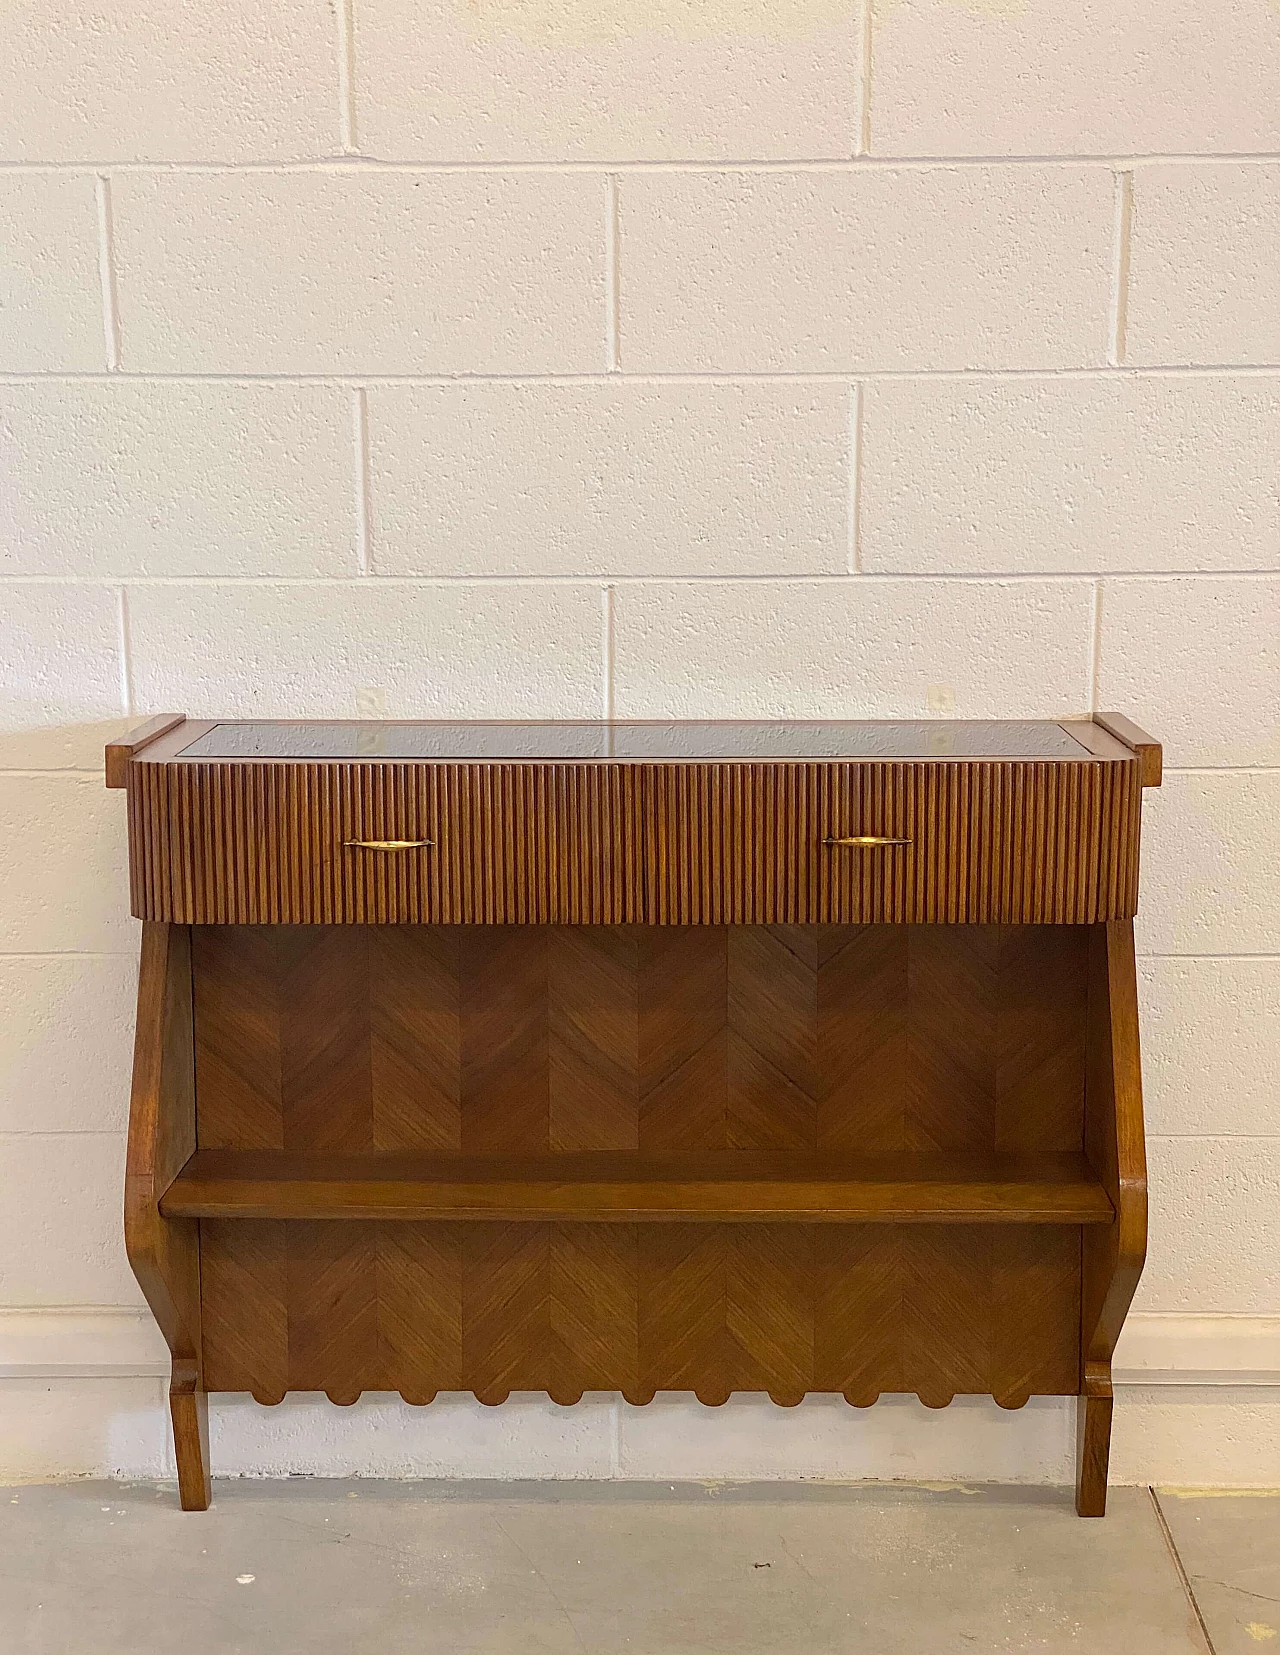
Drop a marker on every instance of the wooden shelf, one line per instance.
(736, 1186)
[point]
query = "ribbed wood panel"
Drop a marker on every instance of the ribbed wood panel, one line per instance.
(605, 844)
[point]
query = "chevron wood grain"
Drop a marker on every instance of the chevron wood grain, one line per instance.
(727, 1308)
(594, 1028)
(415, 989)
(325, 1056)
(593, 1312)
(862, 1022)
(1036, 1291)
(550, 1039)
(332, 1307)
(947, 1314)
(419, 1309)
(769, 1309)
(1041, 1024)
(236, 988)
(712, 1309)
(683, 1314)
(683, 1014)
(773, 1052)
(244, 1289)
(505, 1035)
(507, 1298)
(951, 1050)
(860, 1302)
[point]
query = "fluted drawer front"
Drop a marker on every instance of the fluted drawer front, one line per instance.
(988, 842)
(239, 844)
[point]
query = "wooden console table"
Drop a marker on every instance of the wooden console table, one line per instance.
(637, 1057)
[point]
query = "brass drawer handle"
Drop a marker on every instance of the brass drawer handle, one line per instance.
(865, 839)
(388, 844)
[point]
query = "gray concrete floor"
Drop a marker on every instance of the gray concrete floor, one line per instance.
(369, 1568)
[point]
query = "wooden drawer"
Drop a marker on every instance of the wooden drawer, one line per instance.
(988, 841)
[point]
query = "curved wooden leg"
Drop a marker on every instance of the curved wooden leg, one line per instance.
(1093, 1451)
(165, 1253)
(189, 1411)
(1112, 1255)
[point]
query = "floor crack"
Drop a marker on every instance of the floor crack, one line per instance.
(1230, 1586)
(1179, 1567)
(555, 1596)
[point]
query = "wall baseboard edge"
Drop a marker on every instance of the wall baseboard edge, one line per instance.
(81, 1342)
(97, 1342)
(1174, 1349)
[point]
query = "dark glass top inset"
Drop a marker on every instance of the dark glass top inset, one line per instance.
(784, 739)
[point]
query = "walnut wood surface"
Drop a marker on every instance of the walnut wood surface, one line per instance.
(630, 1082)
(1115, 1144)
(621, 1187)
(128, 746)
(542, 1040)
(164, 1253)
(564, 1308)
(1093, 1453)
(992, 841)
(189, 1416)
(1149, 751)
(692, 1046)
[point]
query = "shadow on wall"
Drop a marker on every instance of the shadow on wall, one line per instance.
(672, 1437)
(67, 987)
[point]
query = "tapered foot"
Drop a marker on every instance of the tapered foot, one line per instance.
(1093, 1451)
(189, 1410)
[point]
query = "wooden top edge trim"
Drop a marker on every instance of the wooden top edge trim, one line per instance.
(373, 761)
(1097, 742)
(129, 745)
(1149, 752)
(1096, 746)
(1067, 721)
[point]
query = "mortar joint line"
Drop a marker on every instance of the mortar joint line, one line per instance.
(344, 17)
(606, 651)
(1180, 1569)
(1102, 373)
(1095, 661)
(356, 161)
(364, 502)
(1118, 343)
(531, 577)
(862, 149)
(126, 650)
(107, 272)
(613, 276)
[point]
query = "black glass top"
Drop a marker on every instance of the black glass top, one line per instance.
(923, 738)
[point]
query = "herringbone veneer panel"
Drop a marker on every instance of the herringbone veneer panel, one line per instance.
(541, 1040)
(244, 1291)
(707, 1308)
(236, 981)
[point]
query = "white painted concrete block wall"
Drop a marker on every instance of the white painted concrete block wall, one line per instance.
(777, 357)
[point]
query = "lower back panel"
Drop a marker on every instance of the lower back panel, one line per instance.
(541, 1040)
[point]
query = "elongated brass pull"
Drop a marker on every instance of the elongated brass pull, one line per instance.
(865, 839)
(388, 844)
